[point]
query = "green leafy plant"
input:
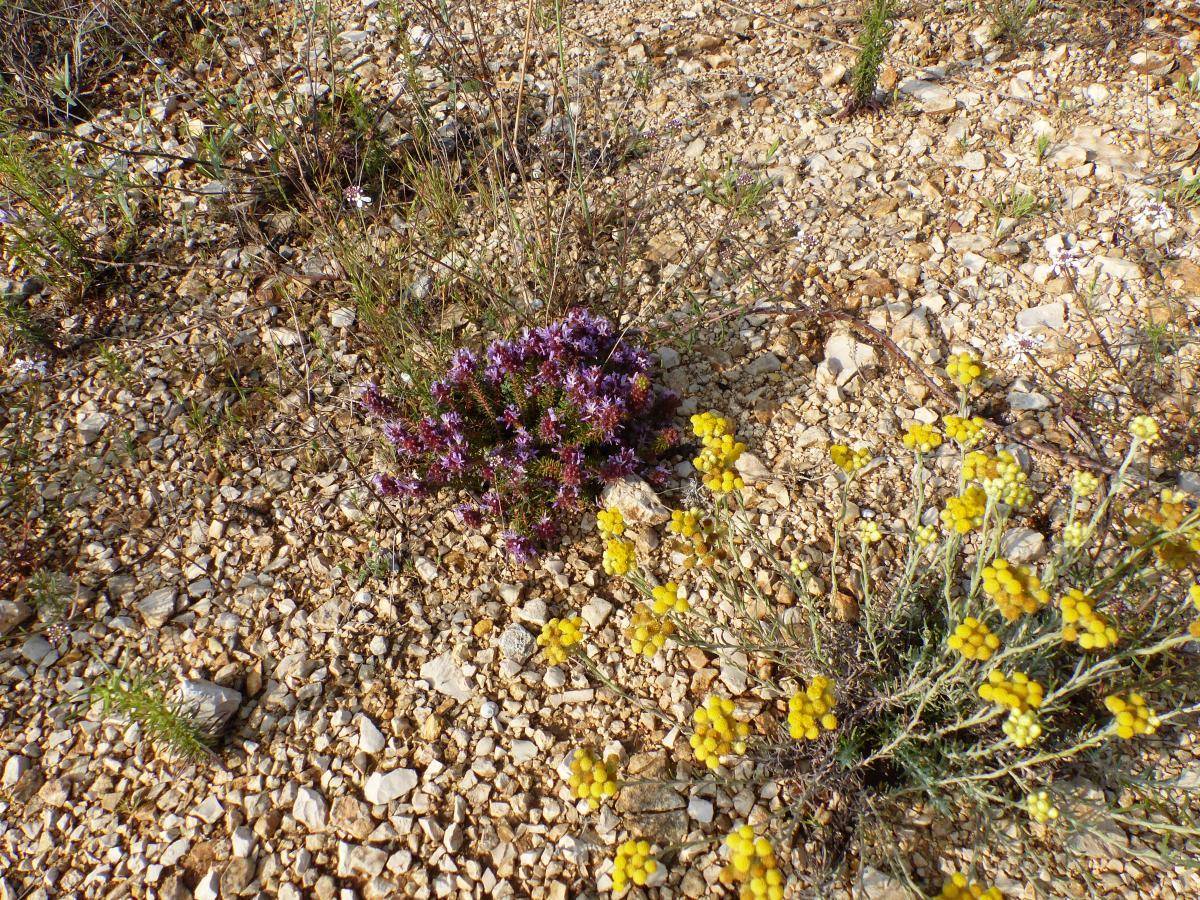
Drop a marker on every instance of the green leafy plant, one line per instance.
(1012, 19)
(141, 699)
(875, 31)
(1017, 204)
(737, 191)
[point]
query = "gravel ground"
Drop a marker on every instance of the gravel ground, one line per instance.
(393, 734)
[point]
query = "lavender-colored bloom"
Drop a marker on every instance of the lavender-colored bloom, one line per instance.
(1067, 262)
(624, 462)
(28, 367)
(1155, 215)
(462, 366)
(520, 547)
(376, 404)
(469, 514)
(6, 216)
(391, 486)
(511, 416)
(356, 196)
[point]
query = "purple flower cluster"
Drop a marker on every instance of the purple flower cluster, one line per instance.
(532, 427)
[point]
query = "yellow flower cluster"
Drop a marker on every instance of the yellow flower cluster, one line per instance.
(922, 438)
(849, 461)
(1145, 429)
(966, 432)
(799, 567)
(721, 451)
(592, 779)
(632, 863)
(1023, 727)
(1194, 596)
(1168, 512)
(1001, 476)
(926, 535)
(868, 532)
(647, 633)
(670, 598)
(1017, 693)
(964, 513)
(1084, 626)
(1133, 716)
(959, 887)
(811, 710)
(610, 522)
(1041, 808)
(559, 636)
(619, 556)
(1013, 588)
(1076, 535)
(752, 864)
(717, 733)
(974, 640)
(965, 369)
(1084, 484)
(694, 531)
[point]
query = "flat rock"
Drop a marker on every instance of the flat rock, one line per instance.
(516, 644)
(211, 705)
(370, 738)
(157, 607)
(1022, 545)
(12, 614)
(846, 357)
(446, 677)
(310, 809)
(385, 787)
(1048, 315)
(636, 500)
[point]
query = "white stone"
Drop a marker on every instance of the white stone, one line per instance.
(310, 809)
(426, 568)
(12, 614)
(14, 768)
(157, 607)
(636, 500)
(596, 612)
(209, 810)
(875, 885)
(1022, 545)
(1027, 400)
(212, 705)
(91, 427)
(523, 752)
(242, 841)
(445, 676)
(370, 738)
(700, 809)
(384, 788)
(516, 644)
(846, 357)
(355, 859)
(1048, 315)
(209, 887)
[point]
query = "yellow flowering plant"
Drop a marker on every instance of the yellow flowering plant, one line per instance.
(969, 671)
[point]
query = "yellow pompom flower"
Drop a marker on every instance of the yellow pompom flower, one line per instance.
(610, 522)
(1003, 479)
(724, 482)
(1040, 807)
(1132, 715)
(799, 567)
(720, 451)
(1084, 484)
(868, 532)
(710, 425)
(1076, 535)
(811, 710)
(965, 432)
(717, 733)
(974, 640)
(964, 513)
(849, 461)
(647, 633)
(752, 865)
(1013, 588)
(1145, 429)
(965, 369)
(686, 522)
(1018, 693)
(558, 636)
(959, 887)
(632, 864)
(592, 779)
(922, 438)
(1084, 626)
(925, 535)
(619, 556)
(670, 598)
(1023, 727)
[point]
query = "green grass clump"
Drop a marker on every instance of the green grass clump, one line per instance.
(142, 700)
(874, 34)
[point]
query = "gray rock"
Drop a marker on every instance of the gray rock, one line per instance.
(1022, 545)
(767, 362)
(636, 500)
(523, 752)
(12, 614)
(384, 788)
(876, 885)
(426, 568)
(211, 705)
(445, 676)
(237, 876)
(596, 612)
(209, 810)
(534, 612)
(157, 607)
(36, 649)
(356, 859)
(370, 738)
(516, 644)
(701, 810)
(14, 768)
(242, 841)
(209, 887)
(1027, 401)
(92, 426)
(1048, 315)
(310, 809)
(846, 357)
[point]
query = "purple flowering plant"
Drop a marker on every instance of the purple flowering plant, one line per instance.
(531, 428)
